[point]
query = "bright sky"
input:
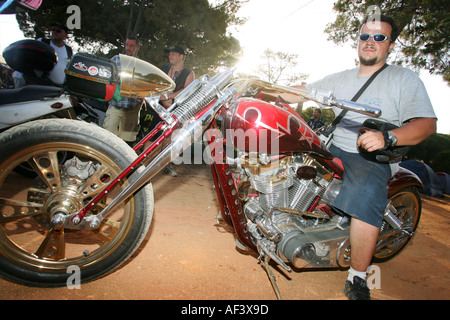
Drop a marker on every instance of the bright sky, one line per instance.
(294, 26)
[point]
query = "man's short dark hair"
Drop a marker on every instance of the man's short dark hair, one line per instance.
(384, 18)
(138, 43)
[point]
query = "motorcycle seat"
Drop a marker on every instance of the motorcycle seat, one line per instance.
(29, 93)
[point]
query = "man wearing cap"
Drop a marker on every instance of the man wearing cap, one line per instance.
(59, 34)
(182, 77)
(176, 70)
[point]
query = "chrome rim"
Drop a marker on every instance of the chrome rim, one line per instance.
(27, 206)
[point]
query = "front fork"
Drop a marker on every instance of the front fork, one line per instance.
(189, 131)
(80, 220)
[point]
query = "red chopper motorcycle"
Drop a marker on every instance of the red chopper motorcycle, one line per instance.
(274, 177)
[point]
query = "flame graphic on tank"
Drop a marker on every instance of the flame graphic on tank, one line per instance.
(282, 129)
(277, 127)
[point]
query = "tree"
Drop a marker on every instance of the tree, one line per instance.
(201, 28)
(425, 38)
(433, 151)
(441, 163)
(278, 66)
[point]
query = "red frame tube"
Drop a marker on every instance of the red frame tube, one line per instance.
(82, 213)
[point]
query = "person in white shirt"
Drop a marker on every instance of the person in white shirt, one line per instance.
(63, 51)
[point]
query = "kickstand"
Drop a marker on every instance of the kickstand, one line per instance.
(265, 260)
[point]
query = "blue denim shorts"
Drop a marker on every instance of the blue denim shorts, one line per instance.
(364, 187)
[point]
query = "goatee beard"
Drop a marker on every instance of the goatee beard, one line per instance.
(367, 62)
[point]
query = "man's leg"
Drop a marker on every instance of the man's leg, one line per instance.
(112, 120)
(129, 124)
(363, 238)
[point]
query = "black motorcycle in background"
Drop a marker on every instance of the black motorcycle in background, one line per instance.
(39, 99)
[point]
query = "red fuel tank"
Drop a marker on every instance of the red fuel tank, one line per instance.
(258, 126)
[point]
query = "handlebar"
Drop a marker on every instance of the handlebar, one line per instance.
(327, 98)
(318, 96)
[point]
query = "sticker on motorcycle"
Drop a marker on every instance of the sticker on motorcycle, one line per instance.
(80, 66)
(104, 73)
(93, 70)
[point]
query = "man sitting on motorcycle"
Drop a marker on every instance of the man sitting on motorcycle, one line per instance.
(403, 99)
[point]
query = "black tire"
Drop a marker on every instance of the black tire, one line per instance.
(408, 204)
(27, 254)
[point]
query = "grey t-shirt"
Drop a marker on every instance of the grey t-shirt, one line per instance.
(398, 92)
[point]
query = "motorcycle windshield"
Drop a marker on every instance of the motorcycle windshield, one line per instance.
(140, 79)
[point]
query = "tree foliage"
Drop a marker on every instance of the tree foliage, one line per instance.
(278, 67)
(425, 38)
(198, 26)
(434, 151)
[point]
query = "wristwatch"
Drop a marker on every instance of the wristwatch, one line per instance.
(390, 139)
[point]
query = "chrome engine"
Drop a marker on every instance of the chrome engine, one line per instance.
(283, 201)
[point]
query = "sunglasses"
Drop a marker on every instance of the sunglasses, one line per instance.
(56, 30)
(376, 37)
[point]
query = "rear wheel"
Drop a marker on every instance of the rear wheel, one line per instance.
(31, 251)
(409, 207)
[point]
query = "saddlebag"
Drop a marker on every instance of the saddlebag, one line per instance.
(29, 55)
(91, 76)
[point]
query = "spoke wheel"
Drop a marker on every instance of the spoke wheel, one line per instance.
(409, 207)
(31, 251)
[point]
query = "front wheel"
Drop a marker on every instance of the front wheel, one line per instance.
(408, 204)
(31, 251)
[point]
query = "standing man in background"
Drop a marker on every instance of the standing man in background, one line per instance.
(63, 51)
(316, 122)
(122, 117)
(176, 70)
(182, 77)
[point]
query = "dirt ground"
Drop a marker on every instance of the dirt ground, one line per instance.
(187, 256)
